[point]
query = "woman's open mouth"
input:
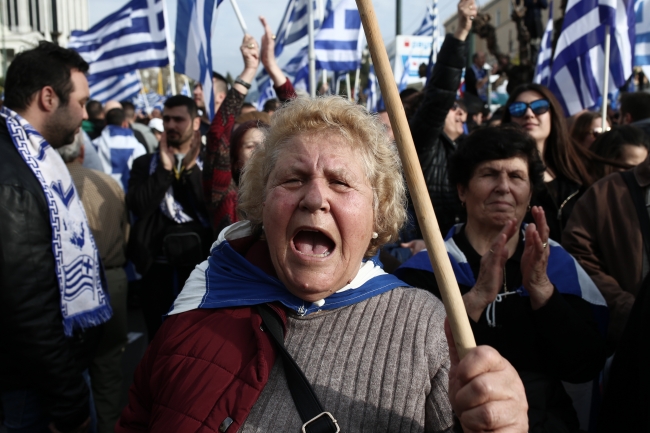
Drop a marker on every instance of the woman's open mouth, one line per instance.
(313, 243)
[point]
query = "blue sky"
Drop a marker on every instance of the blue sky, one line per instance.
(228, 35)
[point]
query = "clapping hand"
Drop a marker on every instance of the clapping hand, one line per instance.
(535, 259)
(490, 276)
(166, 153)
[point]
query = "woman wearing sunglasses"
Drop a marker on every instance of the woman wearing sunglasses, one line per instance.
(534, 107)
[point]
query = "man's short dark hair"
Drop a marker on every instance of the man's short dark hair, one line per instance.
(129, 109)
(637, 104)
(184, 101)
(115, 116)
(46, 65)
(271, 105)
(94, 109)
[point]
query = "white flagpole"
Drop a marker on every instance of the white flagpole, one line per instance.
(170, 51)
(312, 54)
(356, 83)
(347, 86)
(603, 112)
(337, 88)
(324, 77)
(240, 18)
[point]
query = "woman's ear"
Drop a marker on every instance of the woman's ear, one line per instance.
(462, 191)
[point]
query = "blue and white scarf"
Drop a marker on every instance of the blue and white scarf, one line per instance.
(118, 148)
(83, 300)
(171, 208)
(564, 272)
(227, 279)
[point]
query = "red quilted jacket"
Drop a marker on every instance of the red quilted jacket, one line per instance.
(203, 367)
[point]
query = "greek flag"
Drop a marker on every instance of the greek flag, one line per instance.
(337, 43)
(426, 28)
(371, 91)
(193, 47)
(543, 68)
(131, 38)
(642, 45)
(577, 76)
(146, 103)
(437, 41)
(117, 88)
(295, 22)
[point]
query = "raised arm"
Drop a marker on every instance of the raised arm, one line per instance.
(282, 85)
(218, 190)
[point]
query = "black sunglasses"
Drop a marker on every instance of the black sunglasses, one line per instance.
(518, 109)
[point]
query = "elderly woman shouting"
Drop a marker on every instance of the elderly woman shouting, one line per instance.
(525, 295)
(320, 198)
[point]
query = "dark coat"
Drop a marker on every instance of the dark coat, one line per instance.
(146, 192)
(604, 235)
(433, 146)
(34, 352)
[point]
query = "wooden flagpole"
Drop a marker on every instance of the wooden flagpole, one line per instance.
(445, 277)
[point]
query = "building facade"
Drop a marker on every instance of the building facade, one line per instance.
(500, 12)
(23, 23)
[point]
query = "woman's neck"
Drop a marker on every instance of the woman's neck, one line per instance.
(548, 174)
(481, 238)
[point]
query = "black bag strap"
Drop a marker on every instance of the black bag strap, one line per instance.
(638, 198)
(312, 414)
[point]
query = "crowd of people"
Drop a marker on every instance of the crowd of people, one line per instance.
(281, 271)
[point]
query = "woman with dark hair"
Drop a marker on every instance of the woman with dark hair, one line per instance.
(219, 185)
(587, 127)
(244, 140)
(567, 174)
(626, 144)
(525, 296)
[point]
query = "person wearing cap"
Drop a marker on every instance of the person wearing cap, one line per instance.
(156, 127)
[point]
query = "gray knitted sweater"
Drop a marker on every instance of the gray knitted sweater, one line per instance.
(378, 366)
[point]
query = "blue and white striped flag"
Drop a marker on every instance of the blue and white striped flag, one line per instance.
(370, 91)
(337, 44)
(117, 88)
(294, 25)
(642, 45)
(193, 47)
(426, 28)
(145, 103)
(129, 39)
(437, 40)
(577, 76)
(543, 68)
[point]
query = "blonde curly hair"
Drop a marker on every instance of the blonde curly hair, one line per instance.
(361, 130)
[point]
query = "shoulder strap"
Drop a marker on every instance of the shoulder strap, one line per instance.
(312, 414)
(639, 203)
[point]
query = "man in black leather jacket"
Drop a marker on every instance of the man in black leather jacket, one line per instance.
(435, 117)
(41, 380)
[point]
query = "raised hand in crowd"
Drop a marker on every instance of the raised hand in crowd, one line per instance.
(268, 55)
(251, 55)
(467, 11)
(485, 390)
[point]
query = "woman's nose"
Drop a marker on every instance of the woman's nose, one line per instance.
(315, 196)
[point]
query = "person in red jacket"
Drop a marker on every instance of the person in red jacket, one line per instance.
(220, 173)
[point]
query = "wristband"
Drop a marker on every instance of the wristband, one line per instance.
(238, 80)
